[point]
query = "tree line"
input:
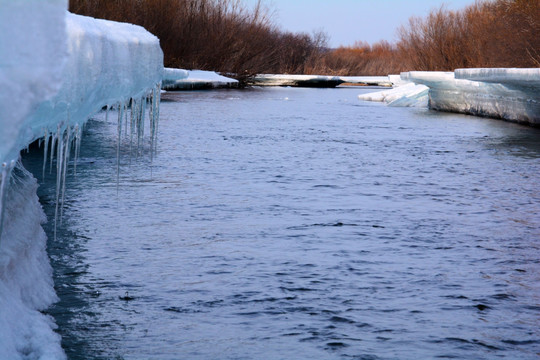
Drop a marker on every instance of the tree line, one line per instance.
(219, 35)
(497, 33)
(229, 37)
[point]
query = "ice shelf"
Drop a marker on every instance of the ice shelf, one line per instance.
(32, 56)
(56, 69)
(505, 93)
(180, 79)
(509, 94)
(104, 63)
(367, 80)
(295, 80)
(524, 79)
(108, 63)
(407, 94)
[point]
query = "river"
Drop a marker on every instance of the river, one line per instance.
(288, 223)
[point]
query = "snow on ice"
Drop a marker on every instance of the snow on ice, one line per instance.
(295, 80)
(57, 69)
(510, 94)
(408, 94)
(367, 80)
(180, 79)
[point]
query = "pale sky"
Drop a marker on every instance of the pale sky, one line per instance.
(347, 21)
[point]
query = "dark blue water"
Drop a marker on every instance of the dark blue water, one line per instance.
(291, 223)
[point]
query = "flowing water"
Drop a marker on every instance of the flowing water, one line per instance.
(287, 223)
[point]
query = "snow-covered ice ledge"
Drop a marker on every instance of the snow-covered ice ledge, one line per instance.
(319, 81)
(385, 81)
(105, 63)
(180, 79)
(509, 94)
(56, 69)
(505, 93)
(407, 94)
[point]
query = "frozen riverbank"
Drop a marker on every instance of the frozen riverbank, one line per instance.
(509, 94)
(408, 94)
(57, 70)
(317, 81)
(367, 80)
(180, 79)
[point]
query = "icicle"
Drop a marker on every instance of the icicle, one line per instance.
(158, 90)
(145, 104)
(77, 131)
(6, 172)
(121, 108)
(137, 126)
(154, 117)
(140, 125)
(107, 114)
(53, 144)
(45, 148)
(67, 147)
(59, 163)
(126, 116)
(151, 121)
(133, 113)
(65, 139)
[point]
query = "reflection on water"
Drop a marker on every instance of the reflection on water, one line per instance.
(294, 223)
(526, 144)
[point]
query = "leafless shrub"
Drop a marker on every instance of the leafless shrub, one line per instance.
(501, 33)
(360, 59)
(219, 35)
(226, 36)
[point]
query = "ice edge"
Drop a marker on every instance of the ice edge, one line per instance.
(67, 70)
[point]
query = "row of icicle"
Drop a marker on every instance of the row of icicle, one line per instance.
(67, 140)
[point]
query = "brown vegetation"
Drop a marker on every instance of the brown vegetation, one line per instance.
(501, 33)
(225, 36)
(381, 58)
(219, 35)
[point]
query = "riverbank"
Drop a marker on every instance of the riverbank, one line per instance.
(106, 64)
(180, 79)
(508, 94)
(57, 70)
